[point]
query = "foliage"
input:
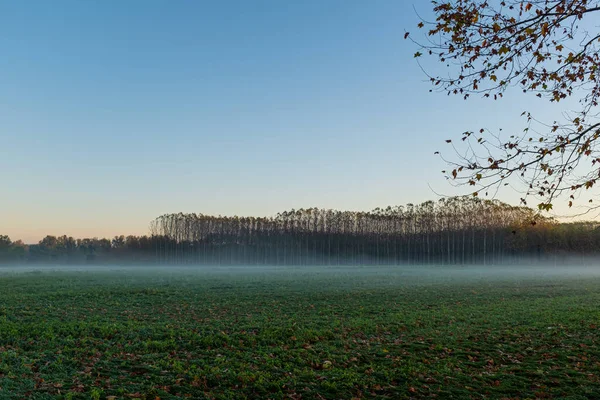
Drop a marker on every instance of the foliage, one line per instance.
(451, 231)
(545, 47)
(95, 335)
(11, 251)
(463, 230)
(68, 250)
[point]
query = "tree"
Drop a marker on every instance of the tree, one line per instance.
(545, 48)
(5, 242)
(118, 242)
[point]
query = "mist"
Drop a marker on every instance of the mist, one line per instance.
(345, 275)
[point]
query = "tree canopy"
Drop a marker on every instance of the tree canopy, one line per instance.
(546, 48)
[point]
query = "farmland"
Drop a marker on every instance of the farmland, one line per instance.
(296, 333)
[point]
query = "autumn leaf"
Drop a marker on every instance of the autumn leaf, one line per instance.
(481, 39)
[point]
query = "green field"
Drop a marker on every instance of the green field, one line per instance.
(309, 334)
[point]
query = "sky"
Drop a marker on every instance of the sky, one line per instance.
(113, 113)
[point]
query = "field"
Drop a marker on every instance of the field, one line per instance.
(300, 333)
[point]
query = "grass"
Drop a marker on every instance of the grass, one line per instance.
(274, 334)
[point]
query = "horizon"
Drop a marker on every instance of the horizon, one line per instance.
(229, 108)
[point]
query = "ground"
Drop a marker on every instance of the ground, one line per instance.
(302, 333)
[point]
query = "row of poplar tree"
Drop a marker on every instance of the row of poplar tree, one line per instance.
(452, 231)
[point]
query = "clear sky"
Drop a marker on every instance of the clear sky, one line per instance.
(113, 113)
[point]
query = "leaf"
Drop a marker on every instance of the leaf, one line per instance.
(406, 35)
(418, 54)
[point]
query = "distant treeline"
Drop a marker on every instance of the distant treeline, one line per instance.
(451, 231)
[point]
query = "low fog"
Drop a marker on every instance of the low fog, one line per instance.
(353, 275)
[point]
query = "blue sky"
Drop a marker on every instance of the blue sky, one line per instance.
(116, 112)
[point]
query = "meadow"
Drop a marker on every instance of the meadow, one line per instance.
(300, 333)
